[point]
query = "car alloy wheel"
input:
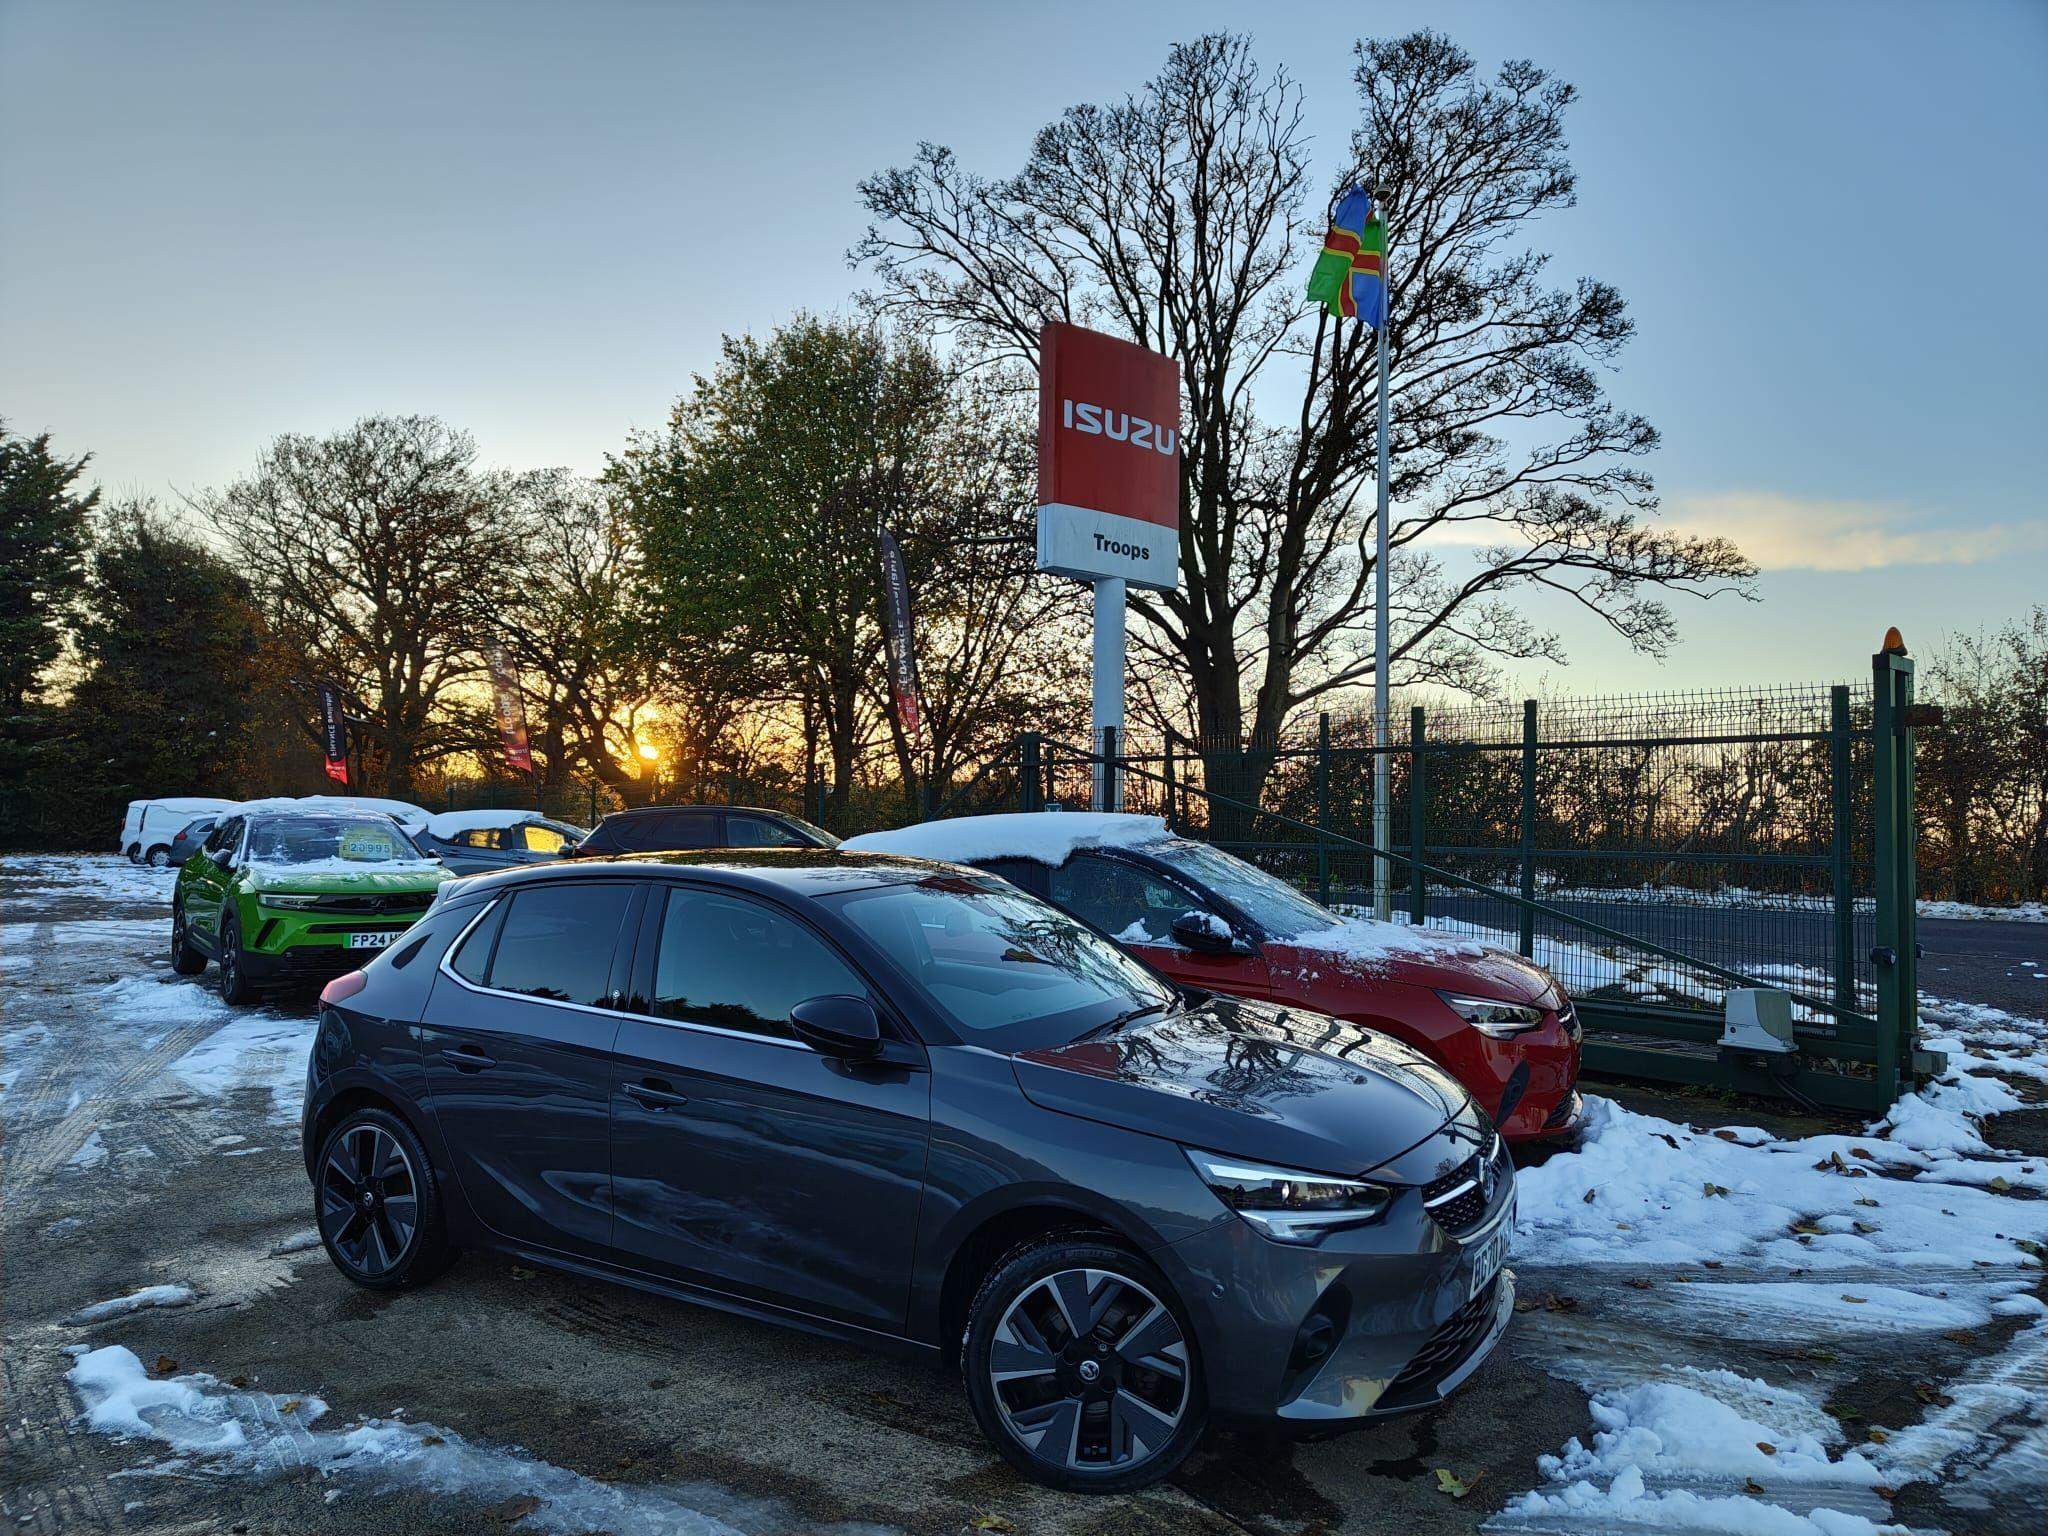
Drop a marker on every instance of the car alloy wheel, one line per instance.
(369, 1200)
(159, 857)
(1089, 1371)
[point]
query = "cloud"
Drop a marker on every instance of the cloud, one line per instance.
(1784, 533)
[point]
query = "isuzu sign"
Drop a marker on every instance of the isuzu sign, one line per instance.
(1108, 459)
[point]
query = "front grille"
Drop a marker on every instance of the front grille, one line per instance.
(1445, 1350)
(1457, 1202)
(402, 903)
(310, 963)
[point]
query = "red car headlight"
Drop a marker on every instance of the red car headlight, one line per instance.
(1490, 1016)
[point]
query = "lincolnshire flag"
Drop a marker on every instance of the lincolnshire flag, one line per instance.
(1350, 276)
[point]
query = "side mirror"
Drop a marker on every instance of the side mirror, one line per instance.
(1204, 932)
(837, 1025)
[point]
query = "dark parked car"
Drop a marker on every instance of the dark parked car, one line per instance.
(905, 1102)
(189, 840)
(478, 842)
(682, 828)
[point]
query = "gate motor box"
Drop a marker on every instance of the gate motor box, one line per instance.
(1758, 1019)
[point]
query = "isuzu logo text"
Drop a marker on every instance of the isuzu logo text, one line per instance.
(1118, 426)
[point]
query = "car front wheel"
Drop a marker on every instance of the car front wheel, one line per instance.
(234, 980)
(1081, 1366)
(379, 1211)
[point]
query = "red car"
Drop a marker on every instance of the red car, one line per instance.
(1498, 1023)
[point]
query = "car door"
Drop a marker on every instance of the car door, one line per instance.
(1137, 907)
(743, 1160)
(205, 889)
(517, 1043)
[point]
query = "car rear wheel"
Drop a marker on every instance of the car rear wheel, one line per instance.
(379, 1211)
(159, 856)
(186, 959)
(234, 980)
(1081, 1366)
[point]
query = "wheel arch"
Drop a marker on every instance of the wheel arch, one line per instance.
(347, 1102)
(996, 1235)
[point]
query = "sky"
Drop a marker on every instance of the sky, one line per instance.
(220, 222)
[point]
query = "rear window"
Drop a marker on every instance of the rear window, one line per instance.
(556, 942)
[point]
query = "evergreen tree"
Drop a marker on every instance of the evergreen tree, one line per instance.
(43, 536)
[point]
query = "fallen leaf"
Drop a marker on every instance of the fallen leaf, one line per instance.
(1726, 1135)
(1863, 1152)
(1668, 1140)
(289, 1405)
(1457, 1487)
(1854, 1300)
(520, 1272)
(1767, 1448)
(165, 1366)
(1639, 1284)
(238, 1381)
(1806, 1229)
(1866, 1202)
(1621, 1226)
(1710, 1263)
(990, 1522)
(1588, 1196)
(1715, 1189)
(1525, 1304)
(1842, 1411)
(1999, 1185)
(1959, 1335)
(1556, 1303)
(1932, 1395)
(1833, 1160)
(1880, 1436)
(513, 1510)
(432, 1440)
(1864, 1227)
(1751, 1485)
(1884, 1490)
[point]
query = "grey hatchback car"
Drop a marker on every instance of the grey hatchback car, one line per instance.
(906, 1103)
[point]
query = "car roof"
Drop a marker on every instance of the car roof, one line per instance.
(793, 871)
(1049, 838)
(692, 810)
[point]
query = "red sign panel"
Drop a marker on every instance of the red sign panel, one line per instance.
(1108, 458)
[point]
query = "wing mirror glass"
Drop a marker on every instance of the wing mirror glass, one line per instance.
(838, 1025)
(1204, 932)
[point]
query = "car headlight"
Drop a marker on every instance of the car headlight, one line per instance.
(296, 903)
(1287, 1204)
(1490, 1016)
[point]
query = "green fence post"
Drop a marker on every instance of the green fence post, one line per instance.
(1842, 846)
(1526, 928)
(1322, 807)
(1031, 775)
(1418, 816)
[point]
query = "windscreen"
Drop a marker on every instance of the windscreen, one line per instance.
(1273, 904)
(349, 840)
(1003, 968)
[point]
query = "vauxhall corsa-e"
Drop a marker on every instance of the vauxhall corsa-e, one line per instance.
(903, 1101)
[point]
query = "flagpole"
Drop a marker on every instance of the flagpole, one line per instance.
(1382, 812)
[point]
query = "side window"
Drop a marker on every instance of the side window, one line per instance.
(758, 832)
(478, 837)
(226, 835)
(539, 838)
(557, 941)
(1125, 902)
(735, 963)
(472, 962)
(657, 834)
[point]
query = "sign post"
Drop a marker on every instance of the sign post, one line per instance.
(1108, 496)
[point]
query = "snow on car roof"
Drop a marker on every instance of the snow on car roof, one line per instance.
(452, 823)
(404, 812)
(1043, 837)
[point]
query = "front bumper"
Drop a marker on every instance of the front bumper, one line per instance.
(1371, 1322)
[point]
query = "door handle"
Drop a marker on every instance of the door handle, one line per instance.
(655, 1093)
(467, 1058)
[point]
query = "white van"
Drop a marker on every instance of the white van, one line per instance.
(151, 824)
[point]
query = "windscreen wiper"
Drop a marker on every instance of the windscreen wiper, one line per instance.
(1129, 1016)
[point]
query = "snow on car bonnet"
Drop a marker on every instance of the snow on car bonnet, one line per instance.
(1043, 837)
(1363, 943)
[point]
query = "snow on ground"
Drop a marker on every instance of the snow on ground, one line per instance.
(1781, 1238)
(252, 1048)
(135, 1301)
(1782, 901)
(111, 877)
(212, 1429)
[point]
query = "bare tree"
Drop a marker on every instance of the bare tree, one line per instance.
(1185, 218)
(379, 556)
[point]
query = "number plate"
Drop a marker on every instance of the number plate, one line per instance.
(370, 940)
(1489, 1256)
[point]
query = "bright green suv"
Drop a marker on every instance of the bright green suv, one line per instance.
(296, 897)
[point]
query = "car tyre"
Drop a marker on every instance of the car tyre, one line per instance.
(377, 1204)
(186, 958)
(159, 857)
(1081, 1365)
(235, 989)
